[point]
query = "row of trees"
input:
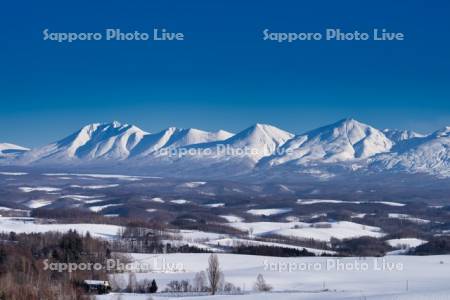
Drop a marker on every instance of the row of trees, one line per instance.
(142, 287)
(212, 280)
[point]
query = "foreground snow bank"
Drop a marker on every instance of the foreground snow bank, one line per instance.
(420, 277)
(424, 277)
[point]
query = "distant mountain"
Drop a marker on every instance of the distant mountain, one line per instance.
(235, 155)
(11, 151)
(428, 154)
(343, 148)
(345, 140)
(112, 141)
(261, 139)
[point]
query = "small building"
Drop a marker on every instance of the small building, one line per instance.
(97, 286)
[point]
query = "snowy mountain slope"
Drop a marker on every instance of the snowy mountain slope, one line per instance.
(8, 150)
(345, 140)
(236, 155)
(344, 147)
(174, 137)
(252, 143)
(429, 154)
(94, 141)
(110, 142)
(401, 135)
(263, 139)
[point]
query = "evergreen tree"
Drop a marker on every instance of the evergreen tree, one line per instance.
(153, 287)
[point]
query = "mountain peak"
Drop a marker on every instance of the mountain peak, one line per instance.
(261, 125)
(349, 121)
(262, 137)
(344, 140)
(263, 129)
(222, 132)
(444, 132)
(116, 124)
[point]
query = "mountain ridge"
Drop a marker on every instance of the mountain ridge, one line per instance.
(344, 145)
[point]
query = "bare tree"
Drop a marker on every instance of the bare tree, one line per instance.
(132, 283)
(174, 286)
(185, 286)
(214, 273)
(221, 284)
(117, 282)
(250, 232)
(200, 281)
(261, 285)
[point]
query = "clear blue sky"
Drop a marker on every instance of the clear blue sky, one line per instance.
(223, 75)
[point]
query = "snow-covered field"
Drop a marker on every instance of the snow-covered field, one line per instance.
(332, 201)
(236, 242)
(408, 218)
(321, 232)
(193, 184)
(101, 176)
(391, 277)
(215, 205)
(232, 218)
(102, 207)
(157, 200)
(27, 189)
(269, 211)
(405, 243)
(94, 187)
(83, 198)
(180, 201)
(36, 203)
(199, 239)
(390, 203)
(316, 201)
(196, 235)
(13, 173)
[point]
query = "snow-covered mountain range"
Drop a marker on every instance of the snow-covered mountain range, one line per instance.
(347, 146)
